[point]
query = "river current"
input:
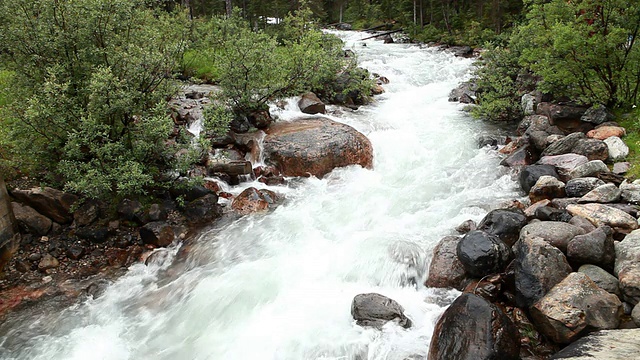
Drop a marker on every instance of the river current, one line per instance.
(280, 285)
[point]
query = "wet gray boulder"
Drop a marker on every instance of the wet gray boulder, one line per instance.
(482, 253)
(203, 210)
(603, 345)
(602, 278)
(474, 329)
(375, 310)
(590, 169)
(574, 306)
(595, 248)
(581, 186)
(597, 114)
(529, 175)
(504, 223)
(446, 270)
(556, 233)
(310, 103)
(538, 267)
(608, 193)
(548, 213)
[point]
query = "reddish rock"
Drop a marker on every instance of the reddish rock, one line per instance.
(605, 132)
(314, 147)
(253, 200)
(446, 270)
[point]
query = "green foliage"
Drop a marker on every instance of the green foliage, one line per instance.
(497, 91)
(93, 77)
(583, 49)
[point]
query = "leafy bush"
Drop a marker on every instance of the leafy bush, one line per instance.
(92, 77)
(498, 95)
(583, 49)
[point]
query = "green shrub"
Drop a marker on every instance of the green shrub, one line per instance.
(92, 77)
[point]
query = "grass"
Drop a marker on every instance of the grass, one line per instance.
(199, 65)
(631, 123)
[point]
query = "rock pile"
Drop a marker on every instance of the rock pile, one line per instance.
(564, 265)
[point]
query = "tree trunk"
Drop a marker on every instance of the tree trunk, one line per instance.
(228, 7)
(8, 228)
(232, 168)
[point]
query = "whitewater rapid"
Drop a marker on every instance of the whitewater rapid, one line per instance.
(280, 285)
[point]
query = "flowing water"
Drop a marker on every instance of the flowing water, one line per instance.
(279, 286)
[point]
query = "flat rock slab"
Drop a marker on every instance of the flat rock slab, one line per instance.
(604, 345)
(600, 214)
(314, 147)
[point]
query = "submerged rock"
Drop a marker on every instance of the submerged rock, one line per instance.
(253, 200)
(474, 329)
(376, 310)
(314, 147)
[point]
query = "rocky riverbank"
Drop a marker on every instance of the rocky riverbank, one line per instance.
(562, 263)
(66, 247)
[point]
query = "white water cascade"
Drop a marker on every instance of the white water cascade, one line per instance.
(280, 285)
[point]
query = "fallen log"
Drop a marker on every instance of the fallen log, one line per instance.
(382, 34)
(231, 168)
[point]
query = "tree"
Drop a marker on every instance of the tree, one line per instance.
(91, 79)
(583, 49)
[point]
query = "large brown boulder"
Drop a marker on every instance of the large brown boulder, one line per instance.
(314, 147)
(30, 220)
(574, 306)
(474, 329)
(52, 203)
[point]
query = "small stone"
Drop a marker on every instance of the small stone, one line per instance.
(34, 257)
(466, 226)
(48, 262)
(75, 252)
(621, 167)
(47, 279)
(604, 132)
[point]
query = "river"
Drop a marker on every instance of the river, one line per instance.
(280, 285)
